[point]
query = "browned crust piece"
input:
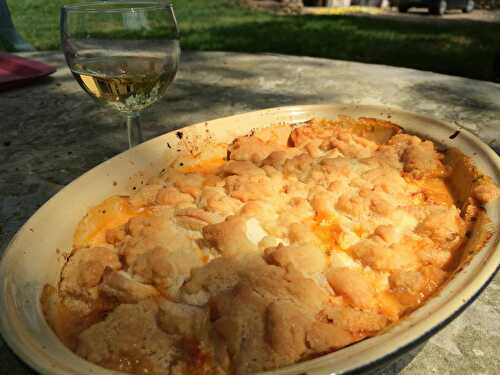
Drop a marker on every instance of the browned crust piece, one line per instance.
(471, 190)
(376, 130)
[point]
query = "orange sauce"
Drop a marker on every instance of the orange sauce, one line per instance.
(199, 360)
(111, 213)
(359, 230)
(435, 190)
(390, 306)
(205, 166)
(327, 230)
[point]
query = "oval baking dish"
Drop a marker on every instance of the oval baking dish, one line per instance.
(34, 257)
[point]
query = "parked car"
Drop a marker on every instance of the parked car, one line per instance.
(438, 7)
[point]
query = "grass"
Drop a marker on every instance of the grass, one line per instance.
(457, 47)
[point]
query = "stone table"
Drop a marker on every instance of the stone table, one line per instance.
(51, 132)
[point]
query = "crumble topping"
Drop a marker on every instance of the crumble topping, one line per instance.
(306, 240)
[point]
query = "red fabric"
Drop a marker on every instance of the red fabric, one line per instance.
(17, 71)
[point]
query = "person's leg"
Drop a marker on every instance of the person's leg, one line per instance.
(8, 31)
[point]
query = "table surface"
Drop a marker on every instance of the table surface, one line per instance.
(51, 132)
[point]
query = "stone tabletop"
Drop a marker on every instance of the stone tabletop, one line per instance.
(51, 132)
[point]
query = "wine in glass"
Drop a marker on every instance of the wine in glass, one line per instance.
(125, 54)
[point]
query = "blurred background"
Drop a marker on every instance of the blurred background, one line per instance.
(461, 41)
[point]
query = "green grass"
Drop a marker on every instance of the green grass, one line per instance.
(463, 48)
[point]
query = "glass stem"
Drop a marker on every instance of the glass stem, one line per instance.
(134, 129)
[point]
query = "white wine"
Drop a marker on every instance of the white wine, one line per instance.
(126, 83)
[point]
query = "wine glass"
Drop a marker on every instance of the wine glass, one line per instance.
(122, 53)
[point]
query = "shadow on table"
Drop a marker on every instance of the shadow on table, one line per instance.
(11, 364)
(459, 94)
(399, 364)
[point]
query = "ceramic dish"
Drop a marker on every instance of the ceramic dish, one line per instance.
(35, 255)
